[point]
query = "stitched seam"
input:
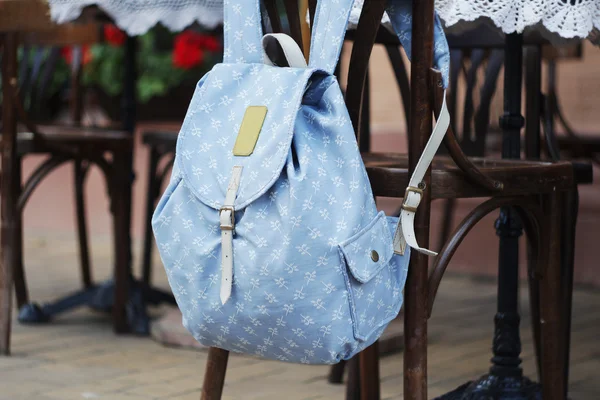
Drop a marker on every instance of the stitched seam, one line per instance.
(351, 302)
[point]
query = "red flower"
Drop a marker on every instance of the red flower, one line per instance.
(113, 35)
(210, 43)
(187, 51)
(67, 54)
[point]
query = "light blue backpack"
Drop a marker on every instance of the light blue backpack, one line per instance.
(268, 229)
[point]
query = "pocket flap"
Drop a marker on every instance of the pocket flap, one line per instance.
(370, 250)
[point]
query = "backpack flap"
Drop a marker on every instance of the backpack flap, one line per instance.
(214, 124)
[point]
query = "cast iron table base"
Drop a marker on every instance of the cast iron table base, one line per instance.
(100, 298)
(496, 387)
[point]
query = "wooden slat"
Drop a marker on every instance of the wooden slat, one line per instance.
(24, 15)
(65, 35)
(519, 178)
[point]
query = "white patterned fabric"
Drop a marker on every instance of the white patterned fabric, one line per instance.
(136, 17)
(564, 18)
(568, 18)
(315, 277)
(307, 267)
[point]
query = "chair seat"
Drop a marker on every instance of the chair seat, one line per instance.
(389, 176)
(96, 138)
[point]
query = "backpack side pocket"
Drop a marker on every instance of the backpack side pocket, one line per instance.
(376, 278)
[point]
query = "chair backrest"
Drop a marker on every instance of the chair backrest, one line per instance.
(44, 51)
(41, 52)
(478, 70)
(24, 16)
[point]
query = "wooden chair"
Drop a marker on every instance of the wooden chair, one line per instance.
(110, 150)
(541, 110)
(519, 184)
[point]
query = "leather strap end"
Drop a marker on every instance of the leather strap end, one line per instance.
(426, 252)
(405, 231)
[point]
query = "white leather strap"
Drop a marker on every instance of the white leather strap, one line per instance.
(405, 232)
(227, 221)
(291, 51)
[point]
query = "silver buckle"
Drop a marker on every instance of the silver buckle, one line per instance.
(231, 225)
(410, 189)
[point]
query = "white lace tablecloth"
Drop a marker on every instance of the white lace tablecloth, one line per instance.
(563, 18)
(136, 17)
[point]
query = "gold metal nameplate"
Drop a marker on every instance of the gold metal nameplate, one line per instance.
(249, 130)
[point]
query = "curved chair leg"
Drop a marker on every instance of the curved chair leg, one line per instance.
(80, 172)
(151, 195)
(20, 281)
(214, 376)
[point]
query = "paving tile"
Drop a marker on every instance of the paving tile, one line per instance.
(71, 394)
(156, 390)
(79, 356)
(193, 395)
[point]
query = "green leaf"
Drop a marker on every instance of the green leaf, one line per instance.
(150, 86)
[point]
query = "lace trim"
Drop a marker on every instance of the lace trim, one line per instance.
(557, 16)
(136, 17)
(579, 20)
(556, 19)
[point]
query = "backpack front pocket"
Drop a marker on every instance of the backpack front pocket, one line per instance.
(376, 276)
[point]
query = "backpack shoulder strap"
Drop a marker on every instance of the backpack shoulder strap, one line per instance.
(328, 32)
(242, 32)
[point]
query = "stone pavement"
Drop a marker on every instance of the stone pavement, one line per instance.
(78, 356)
